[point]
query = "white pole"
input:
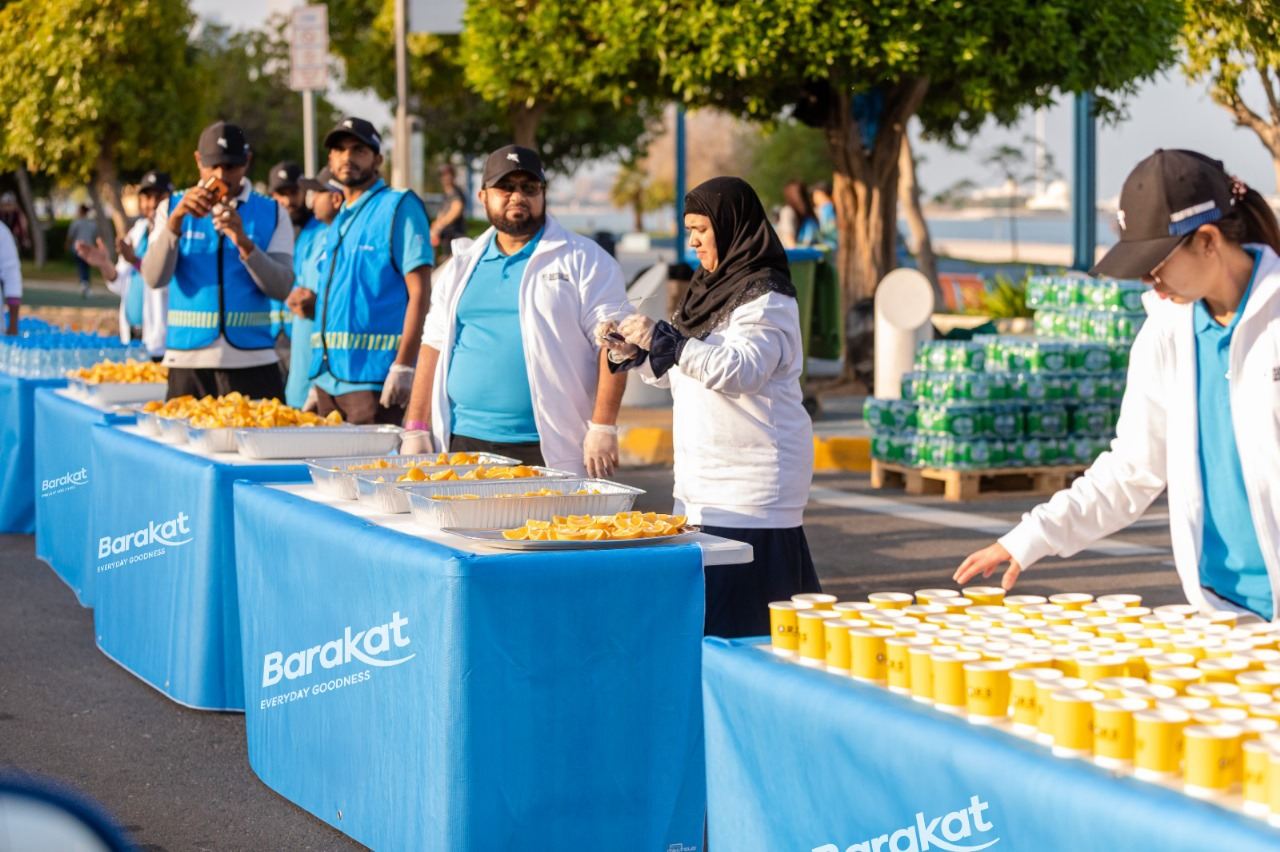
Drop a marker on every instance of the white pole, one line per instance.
(400, 168)
(309, 132)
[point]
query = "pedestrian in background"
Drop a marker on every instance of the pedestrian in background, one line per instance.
(83, 229)
(451, 222)
(324, 198)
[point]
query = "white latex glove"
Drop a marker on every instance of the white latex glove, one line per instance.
(617, 350)
(638, 330)
(417, 441)
(600, 450)
(313, 400)
(397, 387)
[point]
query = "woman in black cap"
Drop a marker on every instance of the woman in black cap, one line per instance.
(1201, 412)
(732, 356)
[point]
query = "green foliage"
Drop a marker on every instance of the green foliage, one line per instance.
(573, 128)
(787, 150)
(1005, 298)
(633, 189)
(87, 79)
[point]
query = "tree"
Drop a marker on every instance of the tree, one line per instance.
(456, 119)
(633, 189)
(1227, 43)
(860, 69)
(909, 197)
(90, 86)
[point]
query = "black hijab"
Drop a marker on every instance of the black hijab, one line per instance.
(752, 260)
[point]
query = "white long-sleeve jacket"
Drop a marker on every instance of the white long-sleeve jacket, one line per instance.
(155, 301)
(743, 441)
(1157, 443)
(569, 286)
(10, 265)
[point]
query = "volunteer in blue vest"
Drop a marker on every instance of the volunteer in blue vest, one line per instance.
(1199, 416)
(229, 252)
(142, 309)
(375, 284)
(284, 187)
(324, 199)
(509, 362)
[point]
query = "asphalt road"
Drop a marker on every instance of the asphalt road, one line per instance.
(179, 779)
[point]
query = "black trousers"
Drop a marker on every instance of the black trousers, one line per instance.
(738, 596)
(530, 453)
(263, 382)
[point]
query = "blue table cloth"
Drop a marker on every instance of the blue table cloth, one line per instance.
(164, 590)
(804, 760)
(17, 451)
(418, 697)
(63, 484)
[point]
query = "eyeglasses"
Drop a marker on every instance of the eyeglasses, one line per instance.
(1154, 273)
(527, 188)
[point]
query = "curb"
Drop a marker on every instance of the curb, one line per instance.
(643, 446)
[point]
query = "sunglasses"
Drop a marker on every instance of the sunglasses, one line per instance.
(529, 188)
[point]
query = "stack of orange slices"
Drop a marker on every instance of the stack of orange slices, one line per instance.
(624, 525)
(519, 471)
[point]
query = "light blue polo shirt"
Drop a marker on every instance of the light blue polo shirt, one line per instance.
(410, 245)
(1231, 562)
(306, 257)
(488, 384)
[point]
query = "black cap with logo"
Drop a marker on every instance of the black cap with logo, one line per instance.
(1166, 196)
(355, 128)
(324, 181)
(284, 176)
(509, 159)
(223, 144)
(157, 182)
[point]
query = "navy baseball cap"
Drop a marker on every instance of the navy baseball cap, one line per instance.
(223, 144)
(509, 159)
(356, 128)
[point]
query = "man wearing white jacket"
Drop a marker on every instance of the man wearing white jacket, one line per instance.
(509, 363)
(1201, 415)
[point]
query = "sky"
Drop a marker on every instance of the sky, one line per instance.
(1169, 112)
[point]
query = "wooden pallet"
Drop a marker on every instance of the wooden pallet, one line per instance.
(960, 485)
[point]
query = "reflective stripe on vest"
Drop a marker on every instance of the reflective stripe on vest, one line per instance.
(337, 340)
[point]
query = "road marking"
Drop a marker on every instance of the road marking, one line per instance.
(953, 519)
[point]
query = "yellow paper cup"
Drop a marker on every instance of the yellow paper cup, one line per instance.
(1071, 600)
(1121, 601)
(1263, 681)
(1255, 766)
(956, 606)
(890, 600)
(985, 595)
(1022, 696)
(1179, 610)
(1129, 615)
(869, 654)
(935, 596)
(1223, 669)
(921, 612)
(1246, 700)
(816, 600)
(784, 633)
(1273, 784)
(948, 679)
(987, 688)
(898, 663)
(813, 640)
(1255, 729)
(1114, 687)
(1215, 692)
(1157, 742)
(1187, 704)
(1221, 716)
(920, 668)
(1212, 760)
(1150, 693)
(835, 632)
(1072, 712)
(1178, 677)
(1113, 731)
(1101, 667)
(1270, 710)
(852, 609)
(1191, 644)
(1044, 694)
(1223, 616)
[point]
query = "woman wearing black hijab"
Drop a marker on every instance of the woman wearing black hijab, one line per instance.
(732, 357)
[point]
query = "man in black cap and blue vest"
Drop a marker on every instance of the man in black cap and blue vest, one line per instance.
(375, 285)
(229, 252)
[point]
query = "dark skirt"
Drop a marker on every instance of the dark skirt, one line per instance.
(738, 596)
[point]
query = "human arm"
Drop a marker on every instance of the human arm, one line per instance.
(161, 258)
(272, 269)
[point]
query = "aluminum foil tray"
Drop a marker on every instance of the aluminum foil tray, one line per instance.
(334, 477)
(492, 510)
(391, 497)
(303, 442)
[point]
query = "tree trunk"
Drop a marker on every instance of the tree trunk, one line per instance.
(524, 124)
(637, 210)
(34, 225)
(909, 198)
(104, 189)
(865, 186)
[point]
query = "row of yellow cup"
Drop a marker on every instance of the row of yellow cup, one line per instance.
(1161, 693)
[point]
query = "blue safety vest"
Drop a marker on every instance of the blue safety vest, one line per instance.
(362, 299)
(212, 292)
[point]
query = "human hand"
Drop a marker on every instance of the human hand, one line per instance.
(302, 302)
(397, 387)
(637, 329)
(227, 222)
(124, 248)
(600, 450)
(606, 335)
(94, 254)
(312, 402)
(416, 441)
(196, 201)
(985, 562)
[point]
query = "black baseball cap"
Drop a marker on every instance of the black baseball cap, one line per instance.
(1166, 196)
(223, 144)
(284, 175)
(356, 128)
(157, 182)
(509, 159)
(324, 181)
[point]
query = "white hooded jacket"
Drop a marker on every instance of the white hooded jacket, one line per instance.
(569, 286)
(1157, 443)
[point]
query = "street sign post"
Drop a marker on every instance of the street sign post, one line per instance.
(309, 69)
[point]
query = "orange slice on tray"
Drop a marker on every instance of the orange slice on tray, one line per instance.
(521, 534)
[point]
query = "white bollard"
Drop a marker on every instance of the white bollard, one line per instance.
(903, 306)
